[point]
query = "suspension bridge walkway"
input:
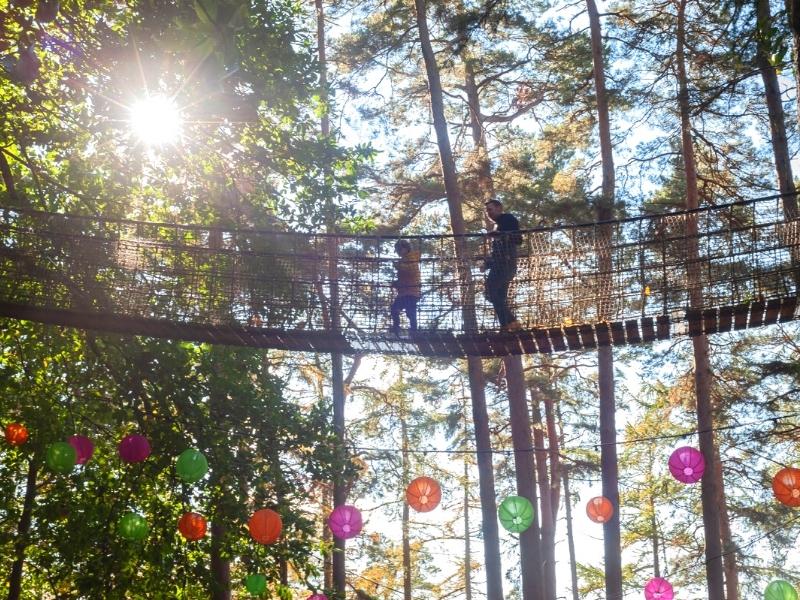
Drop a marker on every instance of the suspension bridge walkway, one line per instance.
(577, 286)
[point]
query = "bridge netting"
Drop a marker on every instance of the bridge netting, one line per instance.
(274, 288)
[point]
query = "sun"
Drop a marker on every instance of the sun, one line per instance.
(156, 120)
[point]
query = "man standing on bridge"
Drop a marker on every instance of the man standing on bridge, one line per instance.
(502, 262)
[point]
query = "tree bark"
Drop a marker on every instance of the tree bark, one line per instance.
(491, 538)
(23, 530)
(605, 357)
(532, 564)
(548, 536)
(703, 374)
(777, 118)
(793, 16)
(406, 514)
(573, 565)
(467, 536)
(728, 546)
(8, 178)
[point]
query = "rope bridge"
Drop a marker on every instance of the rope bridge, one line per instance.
(577, 286)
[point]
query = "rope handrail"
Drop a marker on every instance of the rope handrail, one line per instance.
(386, 237)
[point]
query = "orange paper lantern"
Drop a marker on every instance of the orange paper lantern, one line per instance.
(16, 434)
(265, 526)
(192, 526)
(423, 494)
(786, 486)
(600, 509)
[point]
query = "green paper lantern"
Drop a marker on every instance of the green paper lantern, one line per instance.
(61, 457)
(256, 584)
(191, 465)
(133, 527)
(780, 590)
(516, 513)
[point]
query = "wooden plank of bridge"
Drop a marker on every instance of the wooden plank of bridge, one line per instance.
(557, 338)
(710, 321)
(788, 306)
(468, 346)
(648, 330)
(662, 327)
(573, 341)
(587, 336)
(756, 314)
(773, 310)
(542, 341)
(618, 333)
(725, 319)
(527, 342)
(632, 331)
(740, 312)
(603, 334)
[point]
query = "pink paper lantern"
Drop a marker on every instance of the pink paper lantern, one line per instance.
(658, 588)
(317, 597)
(345, 522)
(84, 448)
(687, 464)
(134, 448)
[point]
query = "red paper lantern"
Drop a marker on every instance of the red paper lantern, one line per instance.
(600, 509)
(16, 434)
(192, 526)
(423, 494)
(265, 526)
(786, 486)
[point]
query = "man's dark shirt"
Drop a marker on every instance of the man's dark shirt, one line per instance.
(505, 239)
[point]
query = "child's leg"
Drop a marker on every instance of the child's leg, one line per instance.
(394, 310)
(411, 312)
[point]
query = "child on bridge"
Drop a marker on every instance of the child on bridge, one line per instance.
(408, 286)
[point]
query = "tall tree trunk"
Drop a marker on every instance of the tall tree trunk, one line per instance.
(573, 565)
(23, 529)
(467, 536)
(532, 563)
(548, 543)
(220, 565)
(406, 515)
(728, 547)
(703, 374)
(793, 16)
(327, 559)
(605, 357)
(8, 177)
(777, 119)
(491, 538)
(337, 369)
(554, 451)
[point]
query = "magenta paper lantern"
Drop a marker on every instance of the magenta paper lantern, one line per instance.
(345, 522)
(658, 588)
(134, 448)
(317, 597)
(84, 448)
(687, 464)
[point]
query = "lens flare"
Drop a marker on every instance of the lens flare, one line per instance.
(156, 120)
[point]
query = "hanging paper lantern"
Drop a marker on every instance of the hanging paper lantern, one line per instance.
(658, 588)
(687, 464)
(265, 526)
(192, 526)
(423, 494)
(133, 527)
(256, 584)
(134, 448)
(600, 509)
(61, 457)
(516, 513)
(84, 448)
(317, 597)
(345, 522)
(16, 434)
(191, 465)
(786, 486)
(780, 590)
